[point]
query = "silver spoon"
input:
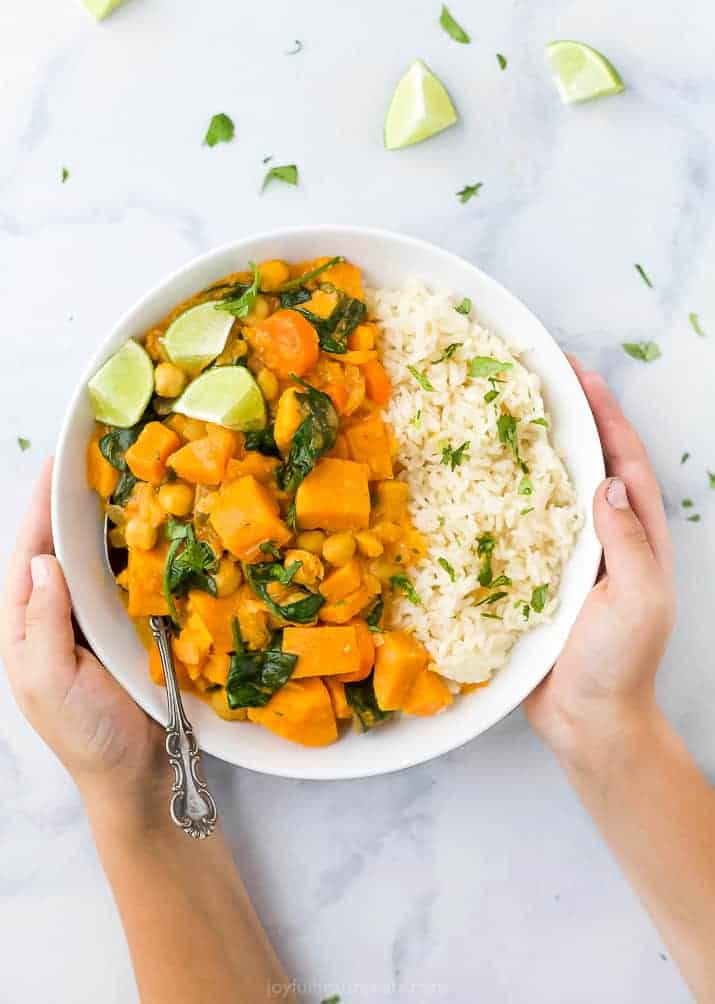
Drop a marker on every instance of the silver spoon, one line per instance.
(191, 805)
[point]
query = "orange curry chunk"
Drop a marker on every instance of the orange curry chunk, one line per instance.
(301, 711)
(245, 515)
(334, 496)
(146, 457)
(322, 651)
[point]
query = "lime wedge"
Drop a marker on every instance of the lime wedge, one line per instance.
(101, 8)
(420, 107)
(580, 72)
(121, 390)
(197, 336)
(226, 395)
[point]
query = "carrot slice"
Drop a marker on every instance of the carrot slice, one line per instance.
(287, 343)
(377, 382)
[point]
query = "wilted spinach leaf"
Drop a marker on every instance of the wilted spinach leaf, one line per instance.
(315, 434)
(190, 564)
(292, 297)
(375, 616)
(300, 611)
(253, 677)
(366, 711)
(113, 447)
(333, 331)
(262, 440)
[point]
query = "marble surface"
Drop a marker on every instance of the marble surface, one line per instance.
(475, 878)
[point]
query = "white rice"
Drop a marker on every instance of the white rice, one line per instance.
(453, 508)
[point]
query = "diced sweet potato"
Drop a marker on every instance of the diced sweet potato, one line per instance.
(146, 457)
(300, 711)
(334, 496)
(377, 382)
(369, 444)
(216, 667)
(429, 694)
(341, 582)
(344, 610)
(101, 476)
(338, 699)
(398, 662)
(245, 515)
(391, 504)
(322, 651)
(193, 644)
(345, 277)
(366, 647)
(203, 461)
(256, 465)
(289, 414)
(145, 572)
(215, 613)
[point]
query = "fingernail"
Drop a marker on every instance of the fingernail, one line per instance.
(616, 494)
(39, 570)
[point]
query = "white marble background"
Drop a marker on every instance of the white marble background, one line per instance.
(475, 878)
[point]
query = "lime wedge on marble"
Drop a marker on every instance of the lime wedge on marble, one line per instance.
(420, 107)
(122, 388)
(225, 395)
(101, 8)
(197, 336)
(580, 72)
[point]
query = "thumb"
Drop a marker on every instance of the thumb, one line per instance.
(626, 548)
(50, 660)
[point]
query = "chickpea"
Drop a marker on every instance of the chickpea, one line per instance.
(273, 274)
(228, 577)
(268, 382)
(311, 540)
(311, 571)
(169, 380)
(339, 548)
(117, 536)
(363, 337)
(368, 544)
(259, 311)
(176, 499)
(140, 534)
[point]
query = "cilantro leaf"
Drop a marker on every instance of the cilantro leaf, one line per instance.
(694, 519)
(448, 352)
(375, 616)
(448, 568)
(644, 275)
(23, 443)
(240, 306)
(465, 306)
(220, 130)
(485, 547)
(508, 436)
(687, 503)
(420, 378)
(684, 458)
(525, 486)
(502, 61)
(711, 478)
(453, 29)
(189, 564)
(695, 324)
(539, 596)
(487, 366)
(469, 191)
(453, 457)
(539, 421)
(525, 512)
(402, 583)
(287, 173)
(645, 351)
(493, 617)
(65, 175)
(492, 598)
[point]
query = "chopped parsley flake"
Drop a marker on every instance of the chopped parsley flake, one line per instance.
(525, 486)
(492, 598)
(487, 366)
(465, 306)
(453, 458)
(23, 443)
(453, 29)
(448, 352)
(525, 512)
(685, 457)
(539, 421)
(469, 191)
(695, 324)
(502, 61)
(65, 175)
(711, 479)
(420, 378)
(647, 352)
(448, 568)
(220, 130)
(501, 580)
(506, 428)
(287, 173)
(402, 583)
(694, 519)
(538, 597)
(644, 275)
(687, 503)
(493, 617)
(417, 419)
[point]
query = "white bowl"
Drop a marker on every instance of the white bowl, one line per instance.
(386, 258)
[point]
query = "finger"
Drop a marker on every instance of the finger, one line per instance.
(50, 662)
(626, 549)
(627, 459)
(35, 537)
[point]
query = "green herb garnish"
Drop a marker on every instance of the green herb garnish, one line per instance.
(366, 711)
(448, 568)
(420, 378)
(448, 352)
(113, 445)
(417, 419)
(262, 441)
(402, 583)
(23, 443)
(453, 458)
(501, 580)
(526, 611)
(684, 458)
(645, 351)
(241, 305)
(465, 306)
(502, 61)
(539, 421)
(687, 503)
(492, 617)
(375, 616)
(485, 548)
(301, 611)
(538, 597)
(644, 275)
(492, 598)
(287, 173)
(333, 332)
(695, 324)
(525, 512)
(315, 434)
(301, 280)
(469, 191)
(253, 677)
(220, 130)
(525, 486)
(64, 175)
(453, 29)
(486, 366)
(694, 519)
(711, 479)
(189, 564)
(508, 436)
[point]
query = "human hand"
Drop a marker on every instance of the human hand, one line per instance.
(602, 684)
(110, 747)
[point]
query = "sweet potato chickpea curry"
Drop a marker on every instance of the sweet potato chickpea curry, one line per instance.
(274, 550)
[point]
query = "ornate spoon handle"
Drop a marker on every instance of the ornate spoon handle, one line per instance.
(192, 807)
